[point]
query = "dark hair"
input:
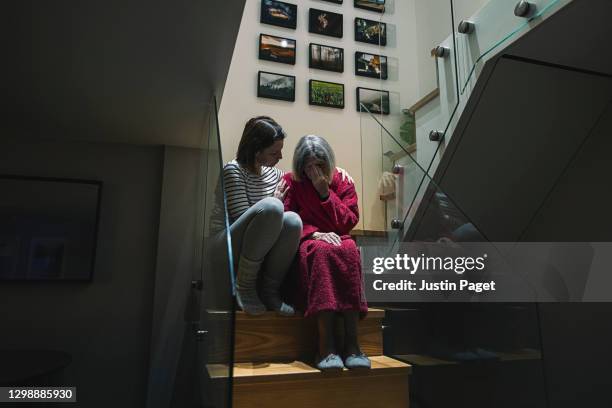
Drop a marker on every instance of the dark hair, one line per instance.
(259, 133)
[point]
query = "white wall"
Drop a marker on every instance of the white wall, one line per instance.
(413, 29)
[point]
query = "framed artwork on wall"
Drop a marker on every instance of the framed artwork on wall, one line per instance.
(334, 1)
(278, 13)
(49, 228)
(326, 58)
(325, 23)
(328, 94)
(277, 49)
(370, 31)
(371, 65)
(374, 100)
(372, 5)
(276, 86)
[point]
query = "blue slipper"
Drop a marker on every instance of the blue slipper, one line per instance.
(357, 361)
(329, 363)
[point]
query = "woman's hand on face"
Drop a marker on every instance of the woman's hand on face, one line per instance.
(281, 190)
(345, 176)
(329, 237)
(319, 181)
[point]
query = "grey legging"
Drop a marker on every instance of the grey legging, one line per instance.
(266, 231)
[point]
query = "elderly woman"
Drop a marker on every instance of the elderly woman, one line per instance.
(329, 263)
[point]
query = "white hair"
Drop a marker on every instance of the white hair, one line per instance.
(315, 147)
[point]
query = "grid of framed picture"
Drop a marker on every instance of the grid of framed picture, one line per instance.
(276, 86)
(374, 100)
(323, 57)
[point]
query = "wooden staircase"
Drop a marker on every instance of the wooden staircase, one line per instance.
(273, 367)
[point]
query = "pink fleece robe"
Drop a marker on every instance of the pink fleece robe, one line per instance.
(329, 276)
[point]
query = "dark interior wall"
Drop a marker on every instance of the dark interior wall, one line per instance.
(105, 325)
(179, 252)
(576, 340)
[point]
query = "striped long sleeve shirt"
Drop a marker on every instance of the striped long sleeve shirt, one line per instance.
(243, 188)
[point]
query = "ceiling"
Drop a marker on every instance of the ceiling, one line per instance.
(139, 72)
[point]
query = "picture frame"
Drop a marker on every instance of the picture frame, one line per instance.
(371, 5)
(325, 23)
(328, 94)
(334, 1)
(279, 13)
(326, 57)
(374, 100)
(277, 49)
(272, 85)
(371, 65)
(370, 31)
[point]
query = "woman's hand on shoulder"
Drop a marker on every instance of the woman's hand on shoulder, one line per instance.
(281, 190)
(329, 237)
(345, 176)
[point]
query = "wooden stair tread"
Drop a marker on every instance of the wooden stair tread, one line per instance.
(427, 361)
(297, 370)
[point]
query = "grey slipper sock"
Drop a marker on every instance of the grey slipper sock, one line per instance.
(271, 298)
(246, 287)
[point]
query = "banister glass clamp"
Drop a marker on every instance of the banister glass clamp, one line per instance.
(466, 27)
(442, 52)
(524, 9)
(396, 224)
(436, 135)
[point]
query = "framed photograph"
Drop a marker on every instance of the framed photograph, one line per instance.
(48, 228)
(374, 100)
(325, 23)
(371, 65)
(334, 1)
(276, 49)
(326, 58)
(371, 32)
(326, 94)
(278, 13)
(276, 86)
(372, 5)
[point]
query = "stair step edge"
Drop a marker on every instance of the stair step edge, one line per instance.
(246, 373)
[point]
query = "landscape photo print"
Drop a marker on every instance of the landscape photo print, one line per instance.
(328, 94)
(276, 86)
(277, 49)
(373, 101)
(326, 58)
